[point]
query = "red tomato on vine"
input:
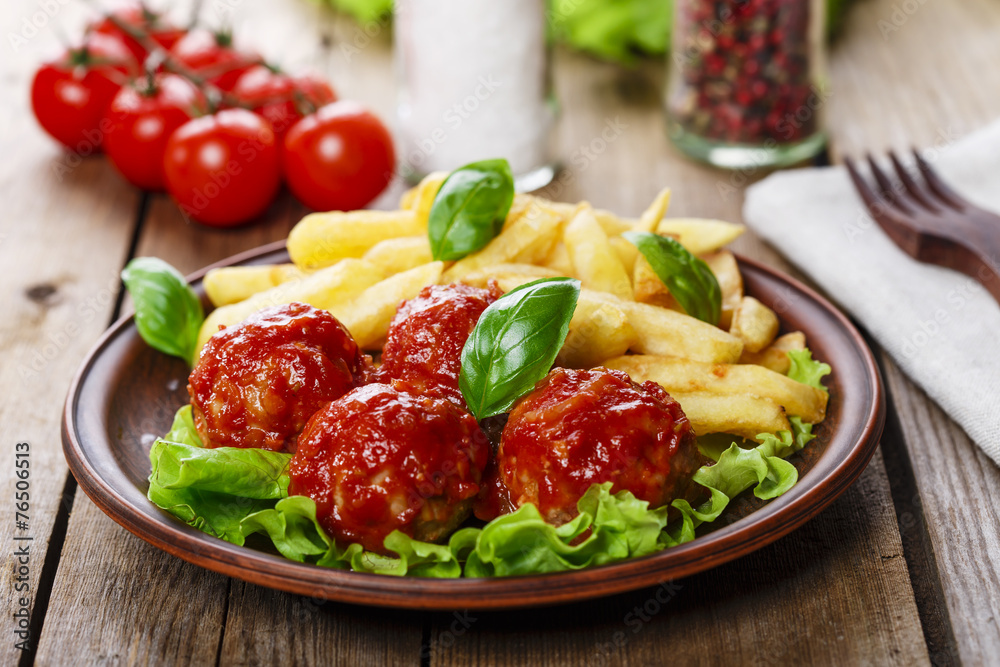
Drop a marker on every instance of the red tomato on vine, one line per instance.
(70, 95)
(339, 158)
(223, 169)
(213, 56)
(143, 115)
(141, 17)
(281, 98)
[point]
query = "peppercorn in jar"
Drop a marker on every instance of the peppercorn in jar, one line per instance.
(747, 84)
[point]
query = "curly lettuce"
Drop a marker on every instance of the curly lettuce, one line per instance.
(806, 370)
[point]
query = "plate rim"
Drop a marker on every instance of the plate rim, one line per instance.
(274, 571)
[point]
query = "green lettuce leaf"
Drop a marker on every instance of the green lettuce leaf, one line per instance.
(295, 532)
(363, 11)
(806, 370)
(620, 526)
(183, 430)
(212, 489)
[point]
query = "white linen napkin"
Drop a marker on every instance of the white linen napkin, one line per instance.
(940, 326)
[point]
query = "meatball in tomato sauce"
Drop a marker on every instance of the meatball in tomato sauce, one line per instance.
(385, 457)
(257, 383)
(581, 427)
(425, 340)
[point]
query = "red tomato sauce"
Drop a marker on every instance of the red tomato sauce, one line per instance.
(581, 427)
(257, 383)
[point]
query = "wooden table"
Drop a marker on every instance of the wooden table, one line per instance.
(902, 569)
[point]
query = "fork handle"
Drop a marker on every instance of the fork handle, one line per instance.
(976, 254)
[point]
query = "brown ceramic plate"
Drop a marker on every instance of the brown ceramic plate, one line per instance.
(126, 393)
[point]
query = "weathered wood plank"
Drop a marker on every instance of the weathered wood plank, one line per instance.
(958, 492)
(893, 91)
(921, 76)
(266, 627)
(834, 592)
(117, 600)
(56, 299)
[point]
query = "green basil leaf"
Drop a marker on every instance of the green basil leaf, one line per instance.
(514, 344)
(688, 278)
(168, 313)
(470, 208)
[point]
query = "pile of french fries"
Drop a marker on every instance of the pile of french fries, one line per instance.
(360, 265)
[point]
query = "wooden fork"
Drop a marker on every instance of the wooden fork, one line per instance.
(931, 223)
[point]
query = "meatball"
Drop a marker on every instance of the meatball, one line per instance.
(257, 383)
(581, 427)
(383, 458)
(425, 340)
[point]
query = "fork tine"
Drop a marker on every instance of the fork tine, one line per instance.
(916, 192)
(893, 221)
(887, 191)
(946, 194)
(870, 198)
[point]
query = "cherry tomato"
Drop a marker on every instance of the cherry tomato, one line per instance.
(70, 95)
(280, 98)
(138, 15)
(338, 158)
(223, 169)
(213, 56)
(143, 115)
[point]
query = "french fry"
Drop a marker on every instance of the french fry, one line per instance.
(427, 190)
(745, 416)
(650, 218)
(775, 356)
(525, 208)
(322, 239)
(599, 330)
(558, 260)
(650, 289)
(613, 225)
(659, 331)
(510, 281)
(700, 236)
(507, 273)
(727, 272)
(368, 315)
(755, 324)
(684, 376)
(326, 289)
(400, 254)
(538, 250)
(232, 284)
(594, 261)
(627, 252)
(521, 205)
(406, 201)
(536, 229)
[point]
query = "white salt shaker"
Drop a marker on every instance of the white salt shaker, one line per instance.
(474, 84)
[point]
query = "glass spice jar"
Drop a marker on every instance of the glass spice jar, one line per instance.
(747, 82)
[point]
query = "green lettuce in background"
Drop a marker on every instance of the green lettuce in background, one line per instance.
(235, 493)
(617, 30)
